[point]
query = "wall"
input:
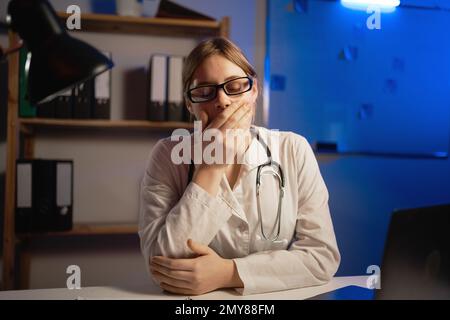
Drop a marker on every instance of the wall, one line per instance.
(364, 190)
(357, 86)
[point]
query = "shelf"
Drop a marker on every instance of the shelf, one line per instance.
(88, 230)
(124, 124)
(157, 26)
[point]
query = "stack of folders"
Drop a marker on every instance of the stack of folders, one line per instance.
(88, 100)
(165, 89)
(44, 195)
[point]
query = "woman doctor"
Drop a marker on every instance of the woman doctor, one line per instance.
(208, 229)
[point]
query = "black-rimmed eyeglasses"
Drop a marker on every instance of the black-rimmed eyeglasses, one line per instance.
(205, 93)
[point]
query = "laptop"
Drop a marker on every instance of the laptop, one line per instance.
(416, 260)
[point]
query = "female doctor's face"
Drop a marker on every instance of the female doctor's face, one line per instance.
(217, 69)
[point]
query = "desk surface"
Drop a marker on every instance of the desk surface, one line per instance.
(152, 292)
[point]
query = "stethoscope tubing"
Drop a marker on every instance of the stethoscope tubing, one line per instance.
(281, 182)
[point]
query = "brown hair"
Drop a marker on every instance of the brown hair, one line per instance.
(207, 48)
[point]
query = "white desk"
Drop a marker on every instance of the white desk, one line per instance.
(152, 292)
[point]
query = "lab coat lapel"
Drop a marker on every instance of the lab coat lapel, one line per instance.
(227, 195)
(254, 156)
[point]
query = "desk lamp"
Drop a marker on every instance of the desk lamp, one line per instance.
(58, 61)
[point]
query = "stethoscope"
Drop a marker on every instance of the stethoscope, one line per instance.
(278, 173)
(280, 177)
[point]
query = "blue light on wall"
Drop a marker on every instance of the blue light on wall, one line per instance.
(384, 5)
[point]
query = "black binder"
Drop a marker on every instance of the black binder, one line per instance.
(44, 195)
(64, 105)
(84, 99)
(46, 109)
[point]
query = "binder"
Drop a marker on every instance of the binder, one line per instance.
(44, 195)
(175, 103)
(101, 108)
(157, 88)
(84, 97)
(24, 203)
(64, 195)
(64, 105)
(46, 109)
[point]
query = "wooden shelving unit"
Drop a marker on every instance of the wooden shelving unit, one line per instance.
(123, 124)
(25, 126)
(154, 26)
(86, 230)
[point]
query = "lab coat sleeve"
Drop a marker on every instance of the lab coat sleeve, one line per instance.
(166, 221)
(313, 256)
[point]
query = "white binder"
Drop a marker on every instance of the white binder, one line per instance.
(175, 88)
(102, 106)
(158, 88)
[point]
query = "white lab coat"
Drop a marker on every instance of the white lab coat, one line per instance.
(171, 213)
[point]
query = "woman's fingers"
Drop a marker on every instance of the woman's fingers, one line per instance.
(176, 290)
(174, 264)
(236, 116)
(175, 274)
(204, 119)
(171, 281)
(224, 117)
(244, 120)
(242, 137)
(235, 119)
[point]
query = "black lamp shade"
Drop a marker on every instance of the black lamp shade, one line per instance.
(63, 63)
(58, 61)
